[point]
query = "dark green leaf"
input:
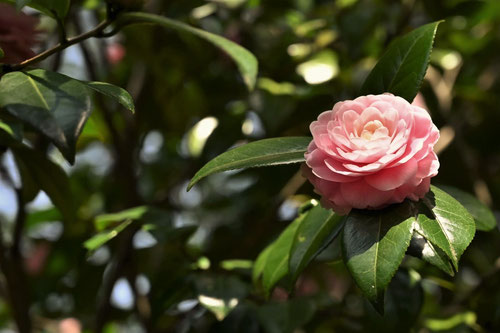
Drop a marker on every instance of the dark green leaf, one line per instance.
(246, 61)
(54, 104)
(255, 154)
(120, 94)
(403, 302)
(286, 317)
(319, 228)
(402, 68)
(103, 237)
(485, 220)
(272, 263)
(374, 244)
(444, 222)
(49, 177)
(423, 249)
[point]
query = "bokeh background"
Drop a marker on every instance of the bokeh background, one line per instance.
(192, 271)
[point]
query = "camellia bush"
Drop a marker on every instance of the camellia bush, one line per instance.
(131, 133)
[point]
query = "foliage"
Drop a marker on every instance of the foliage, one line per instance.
(98, 150)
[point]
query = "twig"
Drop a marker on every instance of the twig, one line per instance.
(98, 31)
(19, 225)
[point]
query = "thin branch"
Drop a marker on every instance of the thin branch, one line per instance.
(98, 31)
(19, 225)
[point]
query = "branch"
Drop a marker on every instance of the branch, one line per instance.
(98, 32)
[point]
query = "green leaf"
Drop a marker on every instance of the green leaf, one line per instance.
(286, 317)
(402, 68)
(255, 154)
(444, 222)
(374, 244)
(49, 177)
(403, 303)
(485, 220)
(104, 221)
(120, 94)
(246, 61)
(54, 104)
(423, 249)
(1, 53)
(319, 228)
(103, 237)
(272, 263)
(118, 222)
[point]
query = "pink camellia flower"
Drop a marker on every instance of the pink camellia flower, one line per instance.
(371, 152)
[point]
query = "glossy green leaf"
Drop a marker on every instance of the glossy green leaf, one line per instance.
(374, 244)
(49, 176)
(423, 249)
(444, 222)
(246, 61)
(402, 68)
(54, 104)
(265, 152)
(318, 228)
(272, 263)
(103, 237)
(104, 221)
(120, 94)
(485, 220)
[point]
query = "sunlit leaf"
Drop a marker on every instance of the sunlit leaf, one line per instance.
(444, 222)
(272, 263)
(318, 228)
(485, 220)
(255, 154)
(103, 237)
(402, 67)
(425, 250)
(120, 94)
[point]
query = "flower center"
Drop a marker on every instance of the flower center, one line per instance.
(370, 128)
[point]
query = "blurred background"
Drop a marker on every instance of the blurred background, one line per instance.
(191, 270)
